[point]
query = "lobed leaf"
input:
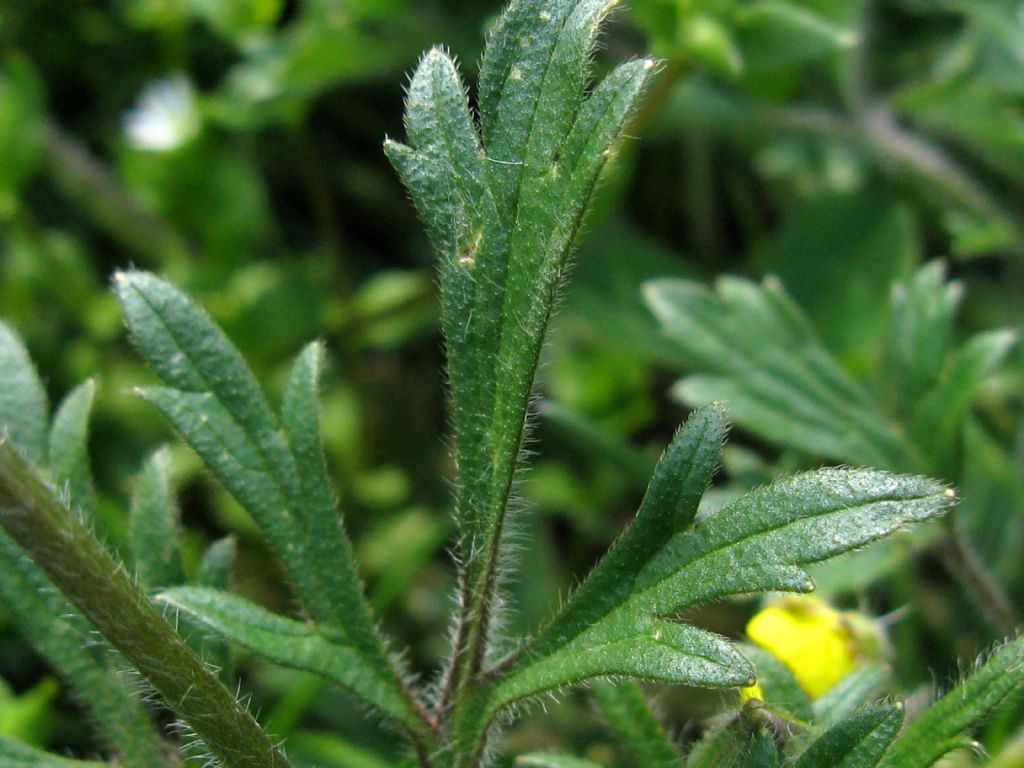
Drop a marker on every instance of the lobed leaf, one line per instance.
(765, 363)
(288, 642)
(153, 525)
(503, 208)
(635, 726)
(680, 478)
(859, 741)
(214, 402)
(938, 415)
(23, 405)
(758, 543)
(939, 729)
(69, 448)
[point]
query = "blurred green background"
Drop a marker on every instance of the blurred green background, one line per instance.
(235, 146)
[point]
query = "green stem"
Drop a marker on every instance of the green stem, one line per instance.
(89, 184)
(101, 588)
(967, 568)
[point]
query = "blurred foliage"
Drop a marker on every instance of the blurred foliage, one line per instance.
(234, 145)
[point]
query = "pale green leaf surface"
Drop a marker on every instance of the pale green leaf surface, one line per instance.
(759, 356)
(776, 35)
(635, 726)
(940, 729)
(69, 447)
(921, 328)
(14, 754)
(153, 525)
(23, 405)
(939, 413)
(859, 741)
(291, 643)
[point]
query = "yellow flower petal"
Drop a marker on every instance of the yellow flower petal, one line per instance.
(817, 643)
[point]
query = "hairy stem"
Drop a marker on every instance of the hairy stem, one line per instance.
(99, 586)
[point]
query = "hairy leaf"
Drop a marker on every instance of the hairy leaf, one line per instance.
(758, 543)
(503, 207)
(328, 543)
(940, 729)
(69, 449)
(635, 726)
(23, 406)
(763, 360)
(214, 402)
(153, 525)
(288, 642)
(859, 741)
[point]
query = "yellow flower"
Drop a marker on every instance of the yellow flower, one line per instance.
(817, 643)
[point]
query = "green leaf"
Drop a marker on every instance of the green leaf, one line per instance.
(328, 541)
(938, 417)
(939, 729)
(758, 543)
(14, 754)
(215, 403)
(23, 407)
(215, 571)
(921, 326)
(153, 525)
(215, 565)
(86, 663)
(859, 741)
(680, 478)
(551, 760)
(503, 211)
(761, 358)
(291, 643)
(743, 742)
(635, 726)
(69, 447)
(849, 694)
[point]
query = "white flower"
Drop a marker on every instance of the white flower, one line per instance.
(165, 116)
